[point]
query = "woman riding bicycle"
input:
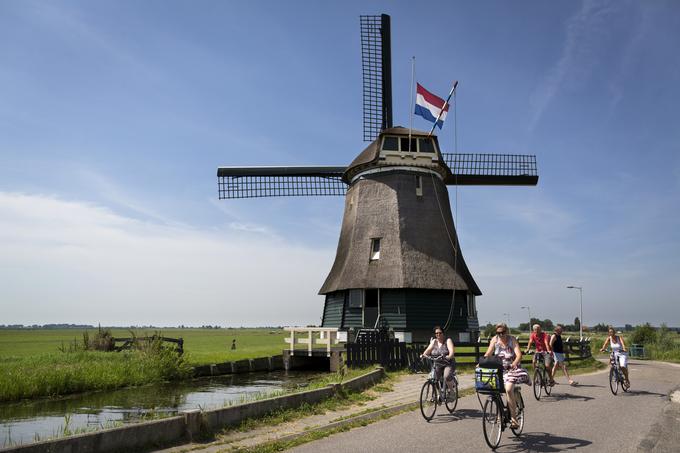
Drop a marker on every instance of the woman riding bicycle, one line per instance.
(506, 347)
(618, 347)
(442, 347)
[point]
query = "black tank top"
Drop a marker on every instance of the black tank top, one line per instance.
(557, 346)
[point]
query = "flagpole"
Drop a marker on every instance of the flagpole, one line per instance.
(413, 76)
(453, 88)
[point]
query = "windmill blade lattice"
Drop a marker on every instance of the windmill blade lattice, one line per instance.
(491, 169)
(259, 182)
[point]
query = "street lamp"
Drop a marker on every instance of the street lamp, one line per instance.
(580, 317)
(507, 316)
(529, 312)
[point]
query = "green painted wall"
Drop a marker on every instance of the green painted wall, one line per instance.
(332, 313)
(393, 308)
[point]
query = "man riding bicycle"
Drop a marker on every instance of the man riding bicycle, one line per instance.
(541, 341)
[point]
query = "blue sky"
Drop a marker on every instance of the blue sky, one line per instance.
(115, 115)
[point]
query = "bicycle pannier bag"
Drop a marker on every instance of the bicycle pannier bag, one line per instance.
(488, 379)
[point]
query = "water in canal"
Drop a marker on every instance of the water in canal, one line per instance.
(27, 421)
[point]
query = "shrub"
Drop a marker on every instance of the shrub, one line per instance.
(644, 334)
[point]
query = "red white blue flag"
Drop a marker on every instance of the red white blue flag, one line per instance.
(430, 106)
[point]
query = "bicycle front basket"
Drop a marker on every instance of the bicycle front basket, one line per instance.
(488, 380)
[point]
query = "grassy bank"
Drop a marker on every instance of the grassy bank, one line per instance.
(201, 346)
(63, 373)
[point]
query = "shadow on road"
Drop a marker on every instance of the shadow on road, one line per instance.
(459, 414)
(588, 386)
(541, 442)
(644, 392)
(567, 396)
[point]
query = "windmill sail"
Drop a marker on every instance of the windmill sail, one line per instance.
(491, 169)
(257, 182)
(376, 65)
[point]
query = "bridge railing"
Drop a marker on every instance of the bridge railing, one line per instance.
(313, 338)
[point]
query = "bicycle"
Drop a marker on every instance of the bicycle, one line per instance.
(541, 379)
(496, 415)
(616, 377)
(436, 392)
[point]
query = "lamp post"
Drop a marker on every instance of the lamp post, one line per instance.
(580, 316)
(507, 317)
(529, 312)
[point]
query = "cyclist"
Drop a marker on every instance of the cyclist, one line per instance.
(507, 348)
(558, 353)
(443, 347)
(542, 342)
(619, 349)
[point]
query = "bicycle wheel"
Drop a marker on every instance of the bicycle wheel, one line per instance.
(624, 385)
(520, 415)
(538, 384)
(428, 400)
(491, 422)
(546, 383)
(613, 380)
(451, 400)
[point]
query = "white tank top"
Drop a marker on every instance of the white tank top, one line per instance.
(616, 346)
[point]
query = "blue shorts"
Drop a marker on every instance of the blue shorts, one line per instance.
(559, 357)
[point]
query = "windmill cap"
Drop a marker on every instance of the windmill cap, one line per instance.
(371, 153)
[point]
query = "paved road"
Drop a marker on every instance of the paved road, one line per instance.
(583, 418)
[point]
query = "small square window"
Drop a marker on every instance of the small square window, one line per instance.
(356, 298)
(404, 145)
(390, 144)
(426, 145)
(375, 249)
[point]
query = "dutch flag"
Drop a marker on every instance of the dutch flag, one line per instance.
(428, 106)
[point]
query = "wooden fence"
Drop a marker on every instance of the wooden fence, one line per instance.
(378, 348)
(129, 343)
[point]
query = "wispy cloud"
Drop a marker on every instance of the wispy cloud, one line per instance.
(584, 32)
(70, 261)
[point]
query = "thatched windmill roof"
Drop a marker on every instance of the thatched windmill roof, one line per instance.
(414, 253)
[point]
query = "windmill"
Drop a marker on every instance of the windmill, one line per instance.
(398, 261)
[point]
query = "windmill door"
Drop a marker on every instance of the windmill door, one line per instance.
(371, 307)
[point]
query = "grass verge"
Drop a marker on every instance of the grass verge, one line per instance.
(64, 373)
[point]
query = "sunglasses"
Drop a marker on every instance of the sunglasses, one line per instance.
(439, 333)
(500, 332)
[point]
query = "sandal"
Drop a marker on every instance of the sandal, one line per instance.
(514, 424)
(573, 383)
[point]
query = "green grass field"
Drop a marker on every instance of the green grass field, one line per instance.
(201, 346)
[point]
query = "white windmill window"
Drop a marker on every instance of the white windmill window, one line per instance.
(375, 249)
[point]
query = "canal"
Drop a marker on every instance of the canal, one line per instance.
(32, 420)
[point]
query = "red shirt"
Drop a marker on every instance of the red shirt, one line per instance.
(539, 341)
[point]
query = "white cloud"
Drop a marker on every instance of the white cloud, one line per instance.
(584, 33)
(69, 261)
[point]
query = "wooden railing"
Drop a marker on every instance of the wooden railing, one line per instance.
(380, 349)
(376, 347)
(129, 343)
(315, 338)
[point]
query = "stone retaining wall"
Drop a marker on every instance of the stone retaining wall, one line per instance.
(240, 366)
(189, 423)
